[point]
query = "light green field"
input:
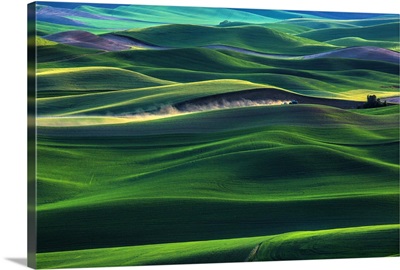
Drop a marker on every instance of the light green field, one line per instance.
(231, 250)
(69, 81)
(381, 240)
(290, 246)
(44, 42)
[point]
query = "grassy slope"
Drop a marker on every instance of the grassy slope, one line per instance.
(287, 28)
(379, 238)
(248, 37)
(105, 101)
(354, 25)
(44, 42)
(380, 111)
(138, 100)
(347, 243)
(313, 24)
(384, 32)
(220, 176)
(331, 76)
(375, 21)
(301, 25)
(70, 81)
(318, 23)
(231, 250)
(235, 161)
(191, 59)
(324, 75)
(355, 41)
(55, 54)
(278, 26)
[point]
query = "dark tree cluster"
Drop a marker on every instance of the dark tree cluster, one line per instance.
(224, 23)
(373, 102)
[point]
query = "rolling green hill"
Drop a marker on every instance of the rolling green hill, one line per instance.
(231, 250)
(199, 135)
(355, 41)
(137, 100)
(376, 21)
(225, 61)
(384, 32)
(129, 17)
(322, 23)
(181, 15)
(316, 24)
(302, 25)
(255, 38)
(281, 14)
(382, 240)
(381, 111)
(324, 147)
(57, 53)
(325, 76)
(286, 28)
(188, 96)
(100, 20)
(71, 81)
(278, 26)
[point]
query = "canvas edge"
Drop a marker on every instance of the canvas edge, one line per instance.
(31, 129)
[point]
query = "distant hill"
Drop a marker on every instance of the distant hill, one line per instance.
(256, 38)
(383, 32)
(342, 15)
(355, 41)
(103, 18)
(363, 53)
(87, 40)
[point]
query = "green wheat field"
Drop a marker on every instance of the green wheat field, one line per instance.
(171, 135)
